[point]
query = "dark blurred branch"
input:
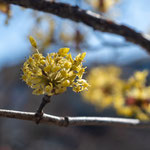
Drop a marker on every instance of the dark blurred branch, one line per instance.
(87, 17)
(74, 121)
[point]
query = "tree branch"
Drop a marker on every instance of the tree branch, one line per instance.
(74, 121)
(39, 112)
(87, 17)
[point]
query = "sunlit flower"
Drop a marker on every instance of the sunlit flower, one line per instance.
(52, 74)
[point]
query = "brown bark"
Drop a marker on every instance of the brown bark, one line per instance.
(87, 17)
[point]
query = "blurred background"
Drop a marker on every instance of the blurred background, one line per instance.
(52, 33)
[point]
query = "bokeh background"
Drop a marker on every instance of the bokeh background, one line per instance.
(52, 33)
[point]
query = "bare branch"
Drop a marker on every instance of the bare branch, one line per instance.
(74, 121)
(87, 17)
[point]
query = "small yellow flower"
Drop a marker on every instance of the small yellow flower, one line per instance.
(135, 98)
(33, 42)
(63, 51)
(104, 86)
(52, 74)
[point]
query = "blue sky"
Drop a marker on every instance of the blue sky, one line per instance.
(14, 45)
(13, 37)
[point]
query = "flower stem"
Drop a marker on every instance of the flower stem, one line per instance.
(39, 113)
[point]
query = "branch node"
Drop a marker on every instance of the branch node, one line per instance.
(39, 113)
(66, 121)
(38, 117)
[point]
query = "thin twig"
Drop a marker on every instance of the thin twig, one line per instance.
(39, 112)
(74, 121)
(96, 21)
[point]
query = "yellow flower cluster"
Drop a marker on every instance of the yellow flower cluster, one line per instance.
(104, 86)
(52, 74)
(129, 98)
(135, 98)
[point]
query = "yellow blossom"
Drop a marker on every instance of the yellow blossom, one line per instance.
(137, 80)
(52, 74)
(33, 42)
(135, 98)
(129, 98)
(104, 86)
